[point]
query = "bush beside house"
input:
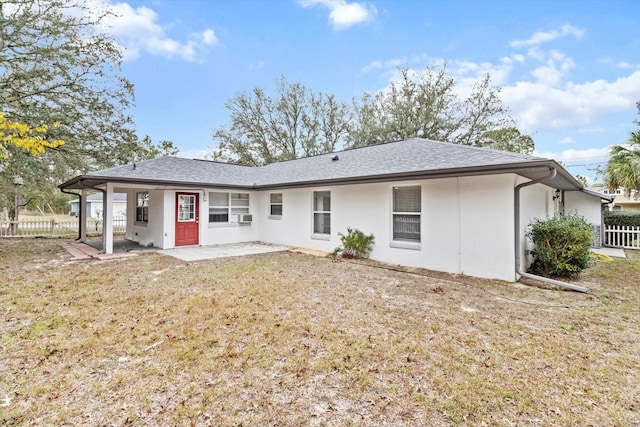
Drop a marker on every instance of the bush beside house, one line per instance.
(562, 245)
(355, 244)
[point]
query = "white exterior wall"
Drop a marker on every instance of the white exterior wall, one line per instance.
(487, 226)
(536, 202)
(222, 233)
(151, 233)
(590, 207)
(466, 223)
(295, 228)
(160, 230)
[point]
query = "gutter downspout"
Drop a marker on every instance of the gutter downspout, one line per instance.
(79, 196)
(516, 206)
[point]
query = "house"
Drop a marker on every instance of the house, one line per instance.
(625, 200)
(430, 204)
(94, 205)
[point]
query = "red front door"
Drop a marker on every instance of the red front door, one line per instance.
(187, 219)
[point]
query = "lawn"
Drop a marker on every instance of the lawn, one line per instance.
(295, 339)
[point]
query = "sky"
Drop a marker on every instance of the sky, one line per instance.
(569, 71)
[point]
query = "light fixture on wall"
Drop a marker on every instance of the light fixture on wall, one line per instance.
(556, 194)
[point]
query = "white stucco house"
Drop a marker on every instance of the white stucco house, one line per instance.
(433, 205)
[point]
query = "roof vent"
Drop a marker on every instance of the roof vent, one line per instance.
(334, 158)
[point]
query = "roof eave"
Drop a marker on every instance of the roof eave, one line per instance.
(609, 198)
(518, 168)
(95, 180)
(525, 169)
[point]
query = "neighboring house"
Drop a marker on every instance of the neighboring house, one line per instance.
(433, 205)
(624, 200)
(94, 206)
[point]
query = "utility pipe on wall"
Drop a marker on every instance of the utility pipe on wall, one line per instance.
(516, 201)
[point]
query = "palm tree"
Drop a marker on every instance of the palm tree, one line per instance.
(623, 168)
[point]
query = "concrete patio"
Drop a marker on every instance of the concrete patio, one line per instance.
(122, 248)
(197, 253)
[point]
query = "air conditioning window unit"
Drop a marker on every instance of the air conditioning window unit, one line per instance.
(244, 218)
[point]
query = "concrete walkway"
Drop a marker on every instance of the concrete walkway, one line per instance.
(197, 253)
(610, 252)
(82, 251)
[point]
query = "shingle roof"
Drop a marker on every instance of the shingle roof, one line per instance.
(176, 169)
(406, 156)
(395, 159)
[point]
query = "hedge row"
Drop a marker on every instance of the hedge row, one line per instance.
(622, 218)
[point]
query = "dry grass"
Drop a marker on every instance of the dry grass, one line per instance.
(293, 339)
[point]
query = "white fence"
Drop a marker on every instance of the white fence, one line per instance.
(622, 237)
(55, 228)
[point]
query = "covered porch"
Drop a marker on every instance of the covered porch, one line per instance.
(158, 214)
(111, 240)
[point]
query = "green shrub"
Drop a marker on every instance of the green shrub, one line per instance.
(622, 218)
(355, 244)
(562, 245)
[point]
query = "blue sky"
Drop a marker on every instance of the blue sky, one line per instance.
(569, 70)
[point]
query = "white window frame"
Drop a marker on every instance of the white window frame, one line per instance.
(272, 204)
(188, 214)
(237, 204)
(143, 207)
(315, 234)
(405, 243)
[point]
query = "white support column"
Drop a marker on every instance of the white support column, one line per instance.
(82, 216)
(107, 220)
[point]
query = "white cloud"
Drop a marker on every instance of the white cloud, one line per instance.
(542, 106)
(554, 70)
(209, 37)
(373, 65)
(389, 66)
(576, 155)
(258, 65)
(541, 37)
(541, 96)
(567, 140)
(138, 30)
(342, 14)
(588, 155)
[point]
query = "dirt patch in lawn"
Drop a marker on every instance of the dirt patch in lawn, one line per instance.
(296, 339)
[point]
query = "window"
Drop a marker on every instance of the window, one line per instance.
(322, 212)
(186, 208)
(239, 203)
(275, 204)
(222, 205)
(142, 207)
(406, 213)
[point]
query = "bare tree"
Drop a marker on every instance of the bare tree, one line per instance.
(295, 122)
(427, 104)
